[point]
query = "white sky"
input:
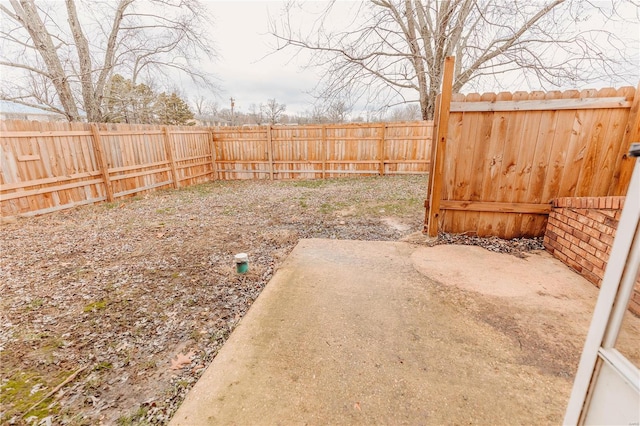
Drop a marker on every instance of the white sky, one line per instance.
(246, 71)
(240, 33)
(247, 68)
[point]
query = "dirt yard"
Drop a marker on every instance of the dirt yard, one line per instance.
(110, 313)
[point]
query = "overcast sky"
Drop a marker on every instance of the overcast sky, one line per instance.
(246, 69)
(249, 71)
(240, 33)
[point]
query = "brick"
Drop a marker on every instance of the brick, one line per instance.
(598, 272)
(566, 228)
(615, 203)
(561, 256)
(577, 224)
(595, 261)
(575, 266)
(555, 245)
(586, 265)
(602, 202)
(592, 232)
(609, 213)
(563, 218)
(606, 239)
(574, 240)
(587, 247)
(608, 202)
(592, 278)
(571, 255)
(582, 235)
(571, 214)
(596, 215)
(563, 242)
(602, 228)
(585, 220)
(578, 251)
(612, 223)
(618, 214)
(553, 219)
(598, 244)
(591, 203)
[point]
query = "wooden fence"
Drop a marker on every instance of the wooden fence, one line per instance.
(501, 158)
(286, 152)
(47, 167)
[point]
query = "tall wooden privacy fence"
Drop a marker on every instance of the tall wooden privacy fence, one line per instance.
(47, 167)
(499, 159)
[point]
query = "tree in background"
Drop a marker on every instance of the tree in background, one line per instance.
(256, 115)
(205, 110)
(125, 102)
(172, 110)
(409, 112)
(338, 111)
(273, 111)
(67, 57)
(396, 48)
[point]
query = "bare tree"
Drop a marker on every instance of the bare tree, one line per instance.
(409, 112)
(205, 110)
(67, 57)
(255, 113)
(395, 50)
(338, 111)
(273, 111)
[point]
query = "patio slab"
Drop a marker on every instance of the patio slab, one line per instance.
(354, 332)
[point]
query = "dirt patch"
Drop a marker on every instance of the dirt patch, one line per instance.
(142, 293)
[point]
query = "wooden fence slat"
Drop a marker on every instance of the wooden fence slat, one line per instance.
(212, 148)
(495, 207)
(631, 134)
(270, 151)
(102, 162)
(38, 182)
(381, 145)
(169, 152)
(542, 105)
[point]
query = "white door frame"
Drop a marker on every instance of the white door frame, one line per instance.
(603, 371)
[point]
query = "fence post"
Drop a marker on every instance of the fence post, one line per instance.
(441, 144)
(323, 141)
(631, 134)
(270, 151)
(102, 162)
(169, 149)
(214, 166)
(382, 132)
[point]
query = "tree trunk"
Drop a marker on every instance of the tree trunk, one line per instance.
(27, 15)
(91, 105)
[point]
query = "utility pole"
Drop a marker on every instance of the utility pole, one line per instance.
(233, 104)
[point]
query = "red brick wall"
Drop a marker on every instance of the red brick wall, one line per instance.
(580, 233)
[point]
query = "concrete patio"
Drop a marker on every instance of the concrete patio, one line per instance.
(354, 332)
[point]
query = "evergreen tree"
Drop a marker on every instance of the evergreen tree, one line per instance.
(128, 103)
(172, 110)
